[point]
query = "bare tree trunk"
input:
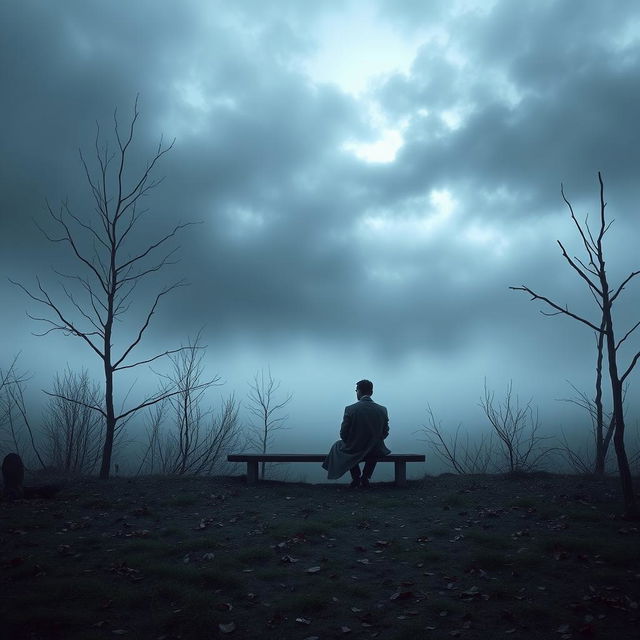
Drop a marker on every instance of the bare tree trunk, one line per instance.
(601, 452)
(630, 504)
(110, 423)
(628, 493)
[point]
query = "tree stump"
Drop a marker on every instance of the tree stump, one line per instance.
(13, 476)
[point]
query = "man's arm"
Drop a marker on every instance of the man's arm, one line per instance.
(385, 432)
(345, 427)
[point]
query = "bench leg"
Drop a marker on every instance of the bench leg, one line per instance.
(401, 473)
(252, 472)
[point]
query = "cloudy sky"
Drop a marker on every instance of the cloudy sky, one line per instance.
(370, 177)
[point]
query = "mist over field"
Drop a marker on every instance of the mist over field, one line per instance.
(367, 179)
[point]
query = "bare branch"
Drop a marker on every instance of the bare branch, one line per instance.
(67, 325)
(72, 243)
(164, 262)
(590, 247)
(155, 400)
(83, 313)
(559, 309)
(157, 357)
(87, 227)
(75, 401)
(146, 323)
(622, 286)
(635, 326)
(580, 272)
(154, 246)
(630, 367)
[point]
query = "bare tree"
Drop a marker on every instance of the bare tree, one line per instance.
(198, 436)
(518, 430)
(594, 457)
(14, 417)
(154, 455)
(460, 453)
(8, 378)
(265, 405)
(594, 274)
(73, 430)
(110, 267)
(215, 438)
(8, 375)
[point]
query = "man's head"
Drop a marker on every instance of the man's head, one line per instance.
(364, 388)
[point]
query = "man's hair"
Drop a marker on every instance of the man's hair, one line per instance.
(365, 387)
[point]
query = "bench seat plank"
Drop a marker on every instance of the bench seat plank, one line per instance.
(315, 457)
(252, 459)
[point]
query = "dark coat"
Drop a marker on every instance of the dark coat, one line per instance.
(364, 427)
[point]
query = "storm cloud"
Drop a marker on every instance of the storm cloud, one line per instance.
(368, 178)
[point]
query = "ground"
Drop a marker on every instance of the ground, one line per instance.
(472, 557)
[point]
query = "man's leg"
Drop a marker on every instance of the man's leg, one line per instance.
(369, 466)
(355, 475)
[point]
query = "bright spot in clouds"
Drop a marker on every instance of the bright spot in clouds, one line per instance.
(383, 150)
(355, 46)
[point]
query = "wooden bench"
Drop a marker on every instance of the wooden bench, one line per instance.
(252, 459)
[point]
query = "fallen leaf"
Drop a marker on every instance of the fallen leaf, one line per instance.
(288, 559)
(303, 621)
(313, 569)
(473, 592)
(230, 627)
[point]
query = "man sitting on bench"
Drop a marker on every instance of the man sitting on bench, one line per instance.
(364, 427)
